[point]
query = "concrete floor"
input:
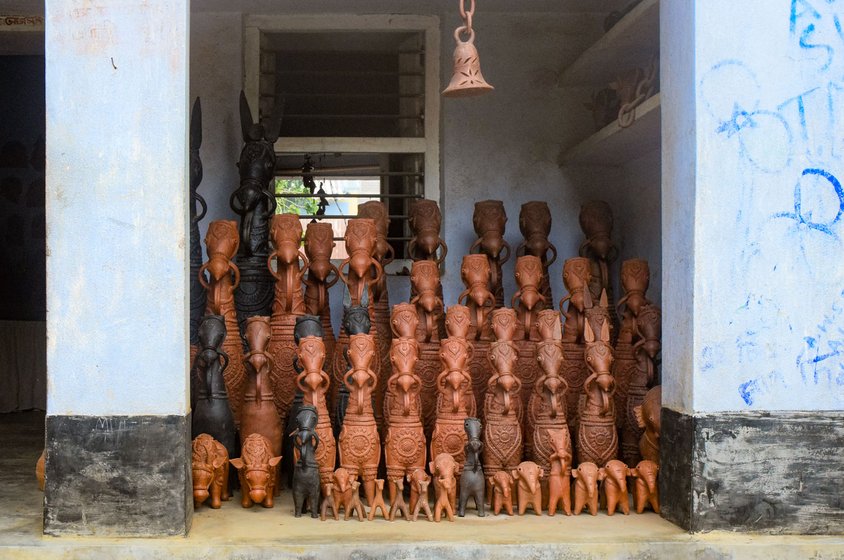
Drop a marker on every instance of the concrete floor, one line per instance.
(259, 533)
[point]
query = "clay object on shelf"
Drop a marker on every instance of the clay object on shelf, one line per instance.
(341, 483)
(528, 301)
(648, 416)
(256, 469)
(328, 502)
(475, 272)
(597, 436)
(321, 276)
(355, 504)
(645, 351)
(426, 290)
(255, 203)
(535, 225)
(306, 469)
(197, 291)
(209, 471)
(586, 476)
(404, 444)
(455, 400)
(421, 485)
(603, 105)
(472, 479)
(547, 407)
(444, 487)
(503, 409)
(559, 477)
(529, 490)
(213, 414)
(365, 272)
(221, 245)
(425, 221)
(378, 501)
(397, 504)
(615, 486)
(489, 221)
(259, 414)
(380, 303)
(356, 320)
(360, 445)
(635, 277)
(501, 484)
(596, 222)
(633, 88)
(314, 383)
(445, 467)
(645, 487)
(577, 276)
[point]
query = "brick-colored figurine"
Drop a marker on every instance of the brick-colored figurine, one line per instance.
(527, 475)
(422, 502)
(645, 489)
(328, 502)
(559, 479)
(445, 487)
(445, 467)
(397, 504)
(342, 487)
(210, 470)
(378, 502)
(587, 476)
(615, 487)
(256, 470)
(355, 505)
(502, 492)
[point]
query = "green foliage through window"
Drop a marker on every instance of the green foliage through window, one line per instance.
(302, 206)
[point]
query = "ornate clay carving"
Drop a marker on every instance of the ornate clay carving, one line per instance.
(559, 478)
(314, 383)
(576, 277)
(425, 221)
(221, 245)
(355, 321)
(489, 220)
(648, 417)
(527, 475)
(213, 415)
(361, 238)
(425, 284)
(597, 438)
(587, 475)
(503, 401)
(615, 486)
(528, 302)
(596, 222)
(306, 475)
(255, 203)
(645, 488)
(319, 243)
(502, 492)
(360, 446)
(472, 479)
(197, 291)
(210, 471)
(477, 296)
(645, 351)
(443, 469)
(256, 468)
(535, 225)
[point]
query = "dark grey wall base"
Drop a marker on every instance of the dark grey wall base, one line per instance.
(779, 472)
(118, 476)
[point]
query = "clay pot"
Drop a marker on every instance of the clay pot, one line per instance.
(489, 221)
(425, 221)
(314, 383)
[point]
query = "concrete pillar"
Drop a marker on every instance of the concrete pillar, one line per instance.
(753, 286)
(118, 429)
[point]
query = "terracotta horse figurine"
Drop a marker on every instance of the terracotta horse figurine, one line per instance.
(597, 437)
(596, 222)
(477, 296)
(489, 221)
(425, 281)
(535, 225)
(576, 277)
(528, 301)
(425, 221)
(322, 275)
(361, 238)
(314, 383)
(645, 350)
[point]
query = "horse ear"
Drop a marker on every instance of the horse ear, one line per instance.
(196, 125)
(246, 121)
(274, 130)
(605, 331)
(236, 463)
(588, 334)
(604, 302)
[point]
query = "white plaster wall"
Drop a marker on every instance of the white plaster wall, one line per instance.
(116, 207)
(769, 299)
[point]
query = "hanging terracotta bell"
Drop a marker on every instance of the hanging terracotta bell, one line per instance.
(466, 78)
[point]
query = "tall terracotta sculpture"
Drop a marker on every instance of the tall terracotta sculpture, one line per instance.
(380, 305)
(288, 304)
(355, 321)
(360, 446)
(254, 201)
(221, 244)
(404, 445)
(528, 302)
(197, 291)
(319, 243)
(475, 273)
(635, 277)
(535, 225)
(547, 405)
(596, 222)
(314, 383)
(213, 415)
(645, 350)
(425, 284)
(503, 410)
(259, 414)
(597, 437)
(489, 220)
(576, 277)
(648, 417)
(455, 398)
(425, 221)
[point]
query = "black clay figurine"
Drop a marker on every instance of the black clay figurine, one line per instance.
(306, 469)
(197, 292)
(472, 481)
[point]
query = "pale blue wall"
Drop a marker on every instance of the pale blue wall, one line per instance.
(117, 77)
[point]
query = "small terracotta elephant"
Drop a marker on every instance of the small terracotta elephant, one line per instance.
(527, 474)
(587, 476)
(210, 471)
(502, 492)
(445, 467)
(559, 484)
(445, 486)
(615, 487)
(342, 486)
(645, 489)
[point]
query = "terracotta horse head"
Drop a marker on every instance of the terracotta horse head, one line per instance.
(425, 279)
(425, 221)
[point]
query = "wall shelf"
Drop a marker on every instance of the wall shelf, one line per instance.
(614, 145)
(629, 43)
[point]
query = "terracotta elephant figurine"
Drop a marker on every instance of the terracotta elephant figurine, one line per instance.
(256, 470)
(527, 474)
(559, 482)
(328, 502)
(445, 467)
(615, 487)
(502, 492)
(446, 486)
(587, 476)
(210, 471)
(645, 490)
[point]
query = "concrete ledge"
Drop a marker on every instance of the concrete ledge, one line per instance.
(777, 473)
(118, 476)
